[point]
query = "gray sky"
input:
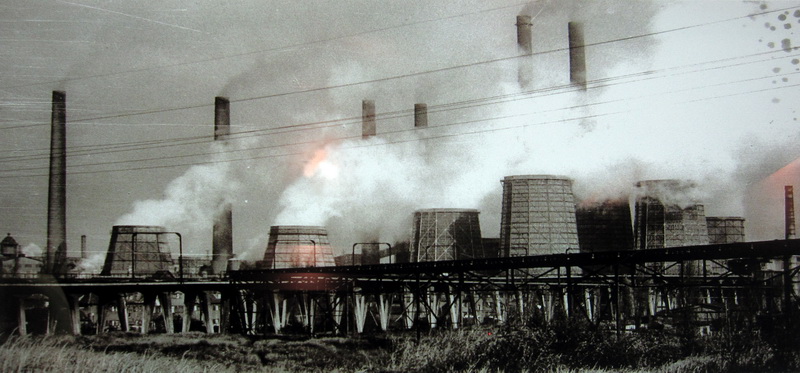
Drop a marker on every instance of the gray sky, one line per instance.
(700, 90)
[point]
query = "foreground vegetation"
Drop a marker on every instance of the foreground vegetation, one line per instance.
(557, 347)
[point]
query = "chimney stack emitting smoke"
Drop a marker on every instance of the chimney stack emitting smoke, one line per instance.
(57, 186)
(420, 115)
(367, 119)
(222, 242)
(577, 55)
(789, 207)
(524, 34)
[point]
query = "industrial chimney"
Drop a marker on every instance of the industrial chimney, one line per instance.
(420, 115)
(84, 252)
(56, 251)
(524, 34)
(367, 118)
(222, 242)
(577, 55)
(789, 206)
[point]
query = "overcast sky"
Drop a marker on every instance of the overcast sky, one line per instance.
(699, 90)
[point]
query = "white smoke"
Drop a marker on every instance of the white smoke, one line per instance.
(92, 264)
(32, 249)
(191, 202)
(606, 139)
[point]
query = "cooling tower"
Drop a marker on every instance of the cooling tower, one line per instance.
(56, 249)
(604, 226)
(722, 230)
(137, 250)
(668, 216)
(446, 234)
(538, 215)
(294, 246)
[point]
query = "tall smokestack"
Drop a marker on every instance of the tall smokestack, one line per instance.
(367, 118)
(577, 55)
(524, 34)
(420, 115)
(56, 251)
(84, 252)
(789, 196)
(222, 242)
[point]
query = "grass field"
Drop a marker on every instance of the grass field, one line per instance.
(552, 348)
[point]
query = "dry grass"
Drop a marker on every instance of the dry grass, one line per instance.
(529, 349)
(59, 354)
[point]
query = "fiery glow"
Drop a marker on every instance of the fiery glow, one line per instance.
(319, 164)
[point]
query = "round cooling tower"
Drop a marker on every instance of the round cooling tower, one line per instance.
(604, 226)
(446, 234)
(538, 215)
(294, 246)
(138, 250)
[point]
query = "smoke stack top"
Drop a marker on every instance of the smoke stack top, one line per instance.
(524, 34)
(577, 55)
(420, 115)
(222, 118)
(367, 119)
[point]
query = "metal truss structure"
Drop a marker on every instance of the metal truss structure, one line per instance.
(618, 290)
(622, 289)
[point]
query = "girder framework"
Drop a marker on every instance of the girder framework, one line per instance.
(623, 289)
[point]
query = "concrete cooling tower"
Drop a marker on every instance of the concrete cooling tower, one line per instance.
(604, 226)
(446, 234)
(668, 216)
(295, 246)
(137, 250)
(538, 216)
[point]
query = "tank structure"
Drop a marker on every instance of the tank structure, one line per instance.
(446, 234)
(668, 216)
(295, 246)
(137, 251)
(538, 216)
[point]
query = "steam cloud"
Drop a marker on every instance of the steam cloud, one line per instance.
(367, 189)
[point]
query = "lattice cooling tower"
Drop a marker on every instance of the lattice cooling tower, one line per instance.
(538, 215)
(446, 234)
(722, 230)
(294, 246)
(667, 216)
(137, 250)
